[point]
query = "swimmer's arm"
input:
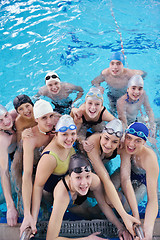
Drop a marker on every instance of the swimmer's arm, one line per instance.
(125, 171)
(28, 158)
(98, 80)
(80, 92)
(5, 177)
(42, 92)
(106, 209)
(45, 168)
(137, 72)
(152, 172)
(121, 110)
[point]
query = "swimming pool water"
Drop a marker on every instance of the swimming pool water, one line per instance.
(76, 38)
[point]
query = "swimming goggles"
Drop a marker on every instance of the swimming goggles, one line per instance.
(133, 131)
(111, 131)
(92, 94)
(64, 128)
(81, 169)
(52, 76)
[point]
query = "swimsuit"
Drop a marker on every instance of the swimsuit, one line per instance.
(79, 200)
(137, 174)
(60, 170)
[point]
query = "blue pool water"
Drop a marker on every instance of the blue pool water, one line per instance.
(76, 38)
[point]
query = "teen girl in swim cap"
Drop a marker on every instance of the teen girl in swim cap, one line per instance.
(54, 161)
(141, 161)
(91, 114)
(105, 147)
(25, 119)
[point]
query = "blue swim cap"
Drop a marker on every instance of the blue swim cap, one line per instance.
(139, 130)
(118, 56)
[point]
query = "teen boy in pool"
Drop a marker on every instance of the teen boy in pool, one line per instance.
(116, 77)
(7, 145)
(59, 93)
(139, 163)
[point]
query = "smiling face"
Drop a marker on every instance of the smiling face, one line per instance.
(6, 121)
(81, 182)
(133, 144)
(46, 122)
(109, 142)
(93, 107)
(54, 87)
(135, 92)
(25, 110)
(116, 67)
(66, 139)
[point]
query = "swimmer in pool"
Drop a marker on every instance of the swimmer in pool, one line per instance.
(116, 77)
(91, 115)
(72, 190)
(24, 107)
(54, 162)
(139, 163)
(59, 93)
(8, 143)
(101, 148)
(40, 136)
(129, 105)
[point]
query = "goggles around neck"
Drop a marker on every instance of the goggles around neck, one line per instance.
(139, 133)
(111, 131)
(64, 128)
(81, 169)
(97, 95)
(52, 76)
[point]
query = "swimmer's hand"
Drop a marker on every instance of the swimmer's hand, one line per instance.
(101, 89)
(129, 222)
(87, 146)
(94, 236)
(27, 133)
(77, 114)
(123, 234)
(12, 216)
(28, 221)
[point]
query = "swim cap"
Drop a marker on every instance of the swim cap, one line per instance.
(114, 127)
(118, 56)
(2, 110)
(139, 130)
(136, 80)
(94, 94)
(65, 122)
(51, 76)
(78, 161)
(41, 107)
(21, 99)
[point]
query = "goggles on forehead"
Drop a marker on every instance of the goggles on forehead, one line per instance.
(111, 131)
(139, 133)
(81, 169)
(64, 128)
(92, 94)
(52, 76)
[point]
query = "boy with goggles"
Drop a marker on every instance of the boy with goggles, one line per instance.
(141, 162)
(71, 192)
(116, 78)
(59, 93)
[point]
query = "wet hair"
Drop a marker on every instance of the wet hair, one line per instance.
(21, 99)
(78, 160)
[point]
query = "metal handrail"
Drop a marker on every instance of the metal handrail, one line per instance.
(26, 234)
(139, 231)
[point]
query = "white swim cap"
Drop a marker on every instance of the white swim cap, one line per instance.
(114, 127)
(2, 110)
(136, 80)
(52, 76)
(41, 107)
(65, 122)
(94, 94)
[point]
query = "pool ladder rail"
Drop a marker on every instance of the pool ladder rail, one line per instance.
(26, 234)
(139, 231)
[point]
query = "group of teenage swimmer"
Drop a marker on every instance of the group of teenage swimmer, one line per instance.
(61, 155)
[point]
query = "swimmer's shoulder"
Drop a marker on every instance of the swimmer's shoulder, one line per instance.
(105, 72)
(43, 91)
